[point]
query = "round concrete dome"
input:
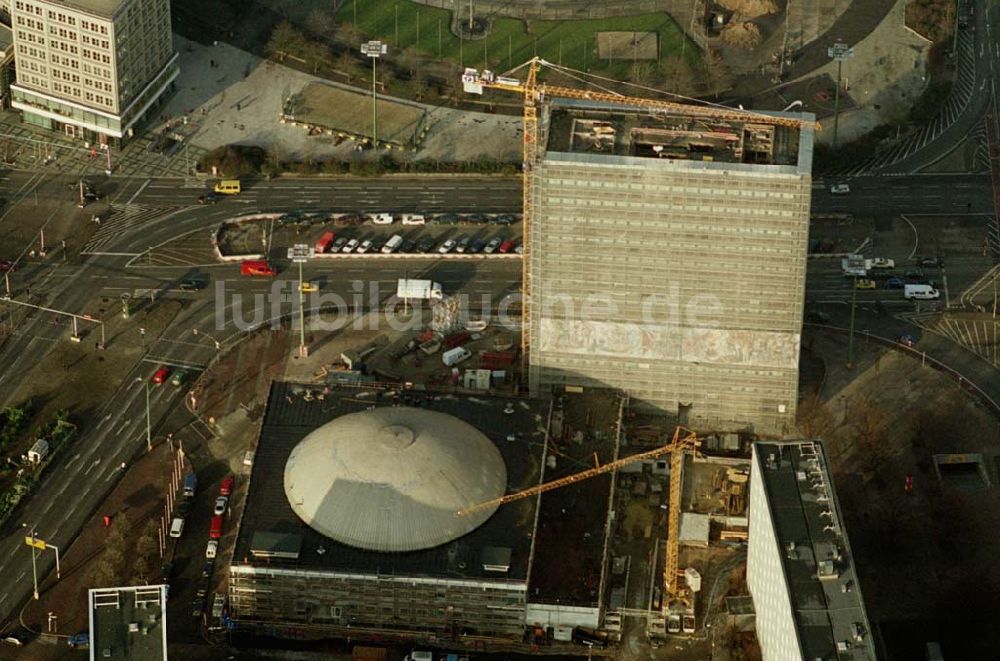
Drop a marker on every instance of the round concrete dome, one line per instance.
(392, 479)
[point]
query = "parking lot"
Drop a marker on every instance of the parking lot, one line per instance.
(347, 235)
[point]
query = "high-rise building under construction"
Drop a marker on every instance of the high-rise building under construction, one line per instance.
(667, 258)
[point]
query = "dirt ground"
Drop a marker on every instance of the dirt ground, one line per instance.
(139, 496)
(338, 109)
(925, 558)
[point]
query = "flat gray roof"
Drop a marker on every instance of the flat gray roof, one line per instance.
(104, 8)
(819, 566)
(130, 622)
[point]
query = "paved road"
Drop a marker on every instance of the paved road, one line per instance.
(117, 431)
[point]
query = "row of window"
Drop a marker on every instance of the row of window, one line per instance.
(62, 60)
(96, 70)
(61, 18)
(94, 41)
(88, 54)
(28, 7)
(94, 27)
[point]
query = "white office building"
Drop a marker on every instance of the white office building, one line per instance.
(800, 568)
(91, 68)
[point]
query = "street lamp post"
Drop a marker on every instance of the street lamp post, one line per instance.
(850, 334)
(36, 545)
(839, 52)
(374, 50)
(300, 253)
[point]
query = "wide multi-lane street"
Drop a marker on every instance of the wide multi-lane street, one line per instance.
(147, 217)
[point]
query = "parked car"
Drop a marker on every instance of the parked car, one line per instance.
(226, 488)
(211, 549)
(207, 569)
(506, 247)
(81, 639)
(447, 219)
(476, 246)
(505, 219)
(906, 340)
(365, 246)
(463, 244)
(183, 507)
(407, 246)
(382, 219)
(350, 246)
(14, 639)
(895, 283)
(519, 249)
(840, 189)
(446, 247)
(425, 246)
(197, 608)
(413, 219)
(161, 375)
(864, 283)
(221, 503)
(338, 243)
(492, 246)
(166, 569)
(180, 376)
(883, 263)
(931, 262)
(215, 527)
(477, 218)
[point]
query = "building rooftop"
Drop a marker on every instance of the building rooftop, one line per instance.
(128, 623)
(391, 479)
(816, 556)
(290, 417)
(601, 130)
(102, 8)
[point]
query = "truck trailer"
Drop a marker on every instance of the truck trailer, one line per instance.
(421, 289)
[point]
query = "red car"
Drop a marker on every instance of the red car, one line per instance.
(161, 375)
(226, 488)
(506, 247)
(215, 531)
(6, 265)
(257, 267)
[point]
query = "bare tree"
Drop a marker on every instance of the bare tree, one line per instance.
(320, 22)
(315, 54)
(716, 73)
(285, 39)
(813, 417)
(677, 75)
(869, 421)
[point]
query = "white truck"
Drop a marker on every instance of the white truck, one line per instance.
(920, 292)
(422, 289)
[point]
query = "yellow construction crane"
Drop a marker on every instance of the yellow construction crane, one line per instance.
(684, 441)
(535, 94)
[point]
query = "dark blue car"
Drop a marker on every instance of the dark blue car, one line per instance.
(895, 283)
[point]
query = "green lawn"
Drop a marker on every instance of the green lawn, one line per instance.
(570, 43)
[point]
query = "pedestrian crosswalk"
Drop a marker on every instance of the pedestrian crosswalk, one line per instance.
(119, 221)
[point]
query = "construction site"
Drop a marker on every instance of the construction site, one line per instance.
(476, 521)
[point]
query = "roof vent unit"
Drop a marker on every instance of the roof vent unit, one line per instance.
(847, 587)
(801, 475)
(826, 570)
(790, 549)
(859, 632)
(772, 461)
(843, 645)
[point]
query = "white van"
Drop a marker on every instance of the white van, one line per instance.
(392, 245)
(920, 292)
(177, 527)
(455, 356)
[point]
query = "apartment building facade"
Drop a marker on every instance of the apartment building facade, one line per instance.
(91, 68)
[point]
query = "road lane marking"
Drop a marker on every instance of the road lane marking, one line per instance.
(141, 188)
(91, 467)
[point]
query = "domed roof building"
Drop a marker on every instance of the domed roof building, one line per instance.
(392, 479)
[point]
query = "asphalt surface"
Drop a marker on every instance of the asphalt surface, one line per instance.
(74, 487)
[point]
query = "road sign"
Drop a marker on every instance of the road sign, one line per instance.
(34, 541)
(374, 49)
(300, 253)
(840, 51)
